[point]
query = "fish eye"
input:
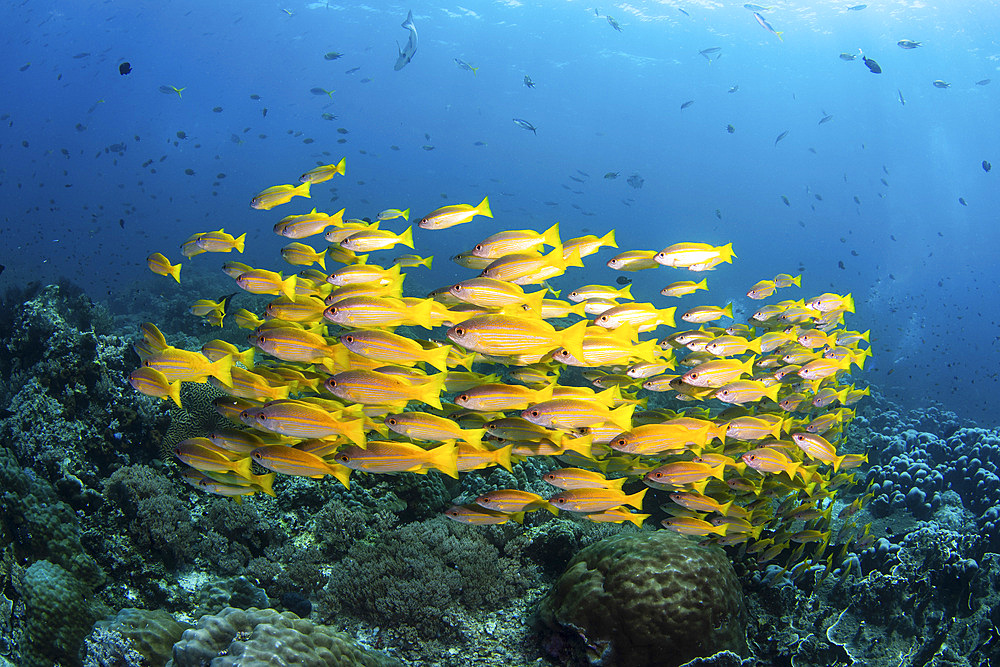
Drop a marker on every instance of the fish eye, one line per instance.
(693, 376)
(463, 397)
(344, 458)
(262, 417)
(479, 246)
(392, 422)
(349, 339)
(621, 442)
(459, 331)
(534, 413)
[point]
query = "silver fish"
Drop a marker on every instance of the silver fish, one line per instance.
(406, 55)
(525, 124)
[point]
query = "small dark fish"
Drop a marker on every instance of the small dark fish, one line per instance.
(9, 413)
(902, 100)
(733, 88)
(840, 264)
(255, 96)
(907, 44)
(574, 178)
(718, 214)
(847, 56)
(525, 125)
(319, 91)
(987, 166)
(189, 172)
(780, 137)
(528, 82)
(730, 129)
(181, 134)
(24, 67)
(124, 68)
(623, 280)
(856, 8)
(612, 175)
(984, 82)
(683, 12)
(82, 55)
(941, 84)
(961, 200)
(583, 173)
(884, 182)
(825, 119)
(614, 24)
(636, 181)
(818, 197)
(685, 105)
(217, 109)
(785, 199)
(479, 143)
(871, 65)
(352, 70)
(427, 147)
(263, 112)
(710, 50)
(341, 130)
(327, 116)
(121, 222)
(332, 55)
(856, 200)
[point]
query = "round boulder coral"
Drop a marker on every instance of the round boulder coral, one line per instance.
(649, 598)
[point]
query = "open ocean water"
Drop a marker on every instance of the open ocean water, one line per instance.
(851, 144)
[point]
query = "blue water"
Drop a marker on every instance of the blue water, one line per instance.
(81, 198)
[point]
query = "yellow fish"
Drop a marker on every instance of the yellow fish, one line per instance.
(278, 194)
(374, 388)
(291, 461)
(160, 265)
(152, 382)
(383, 456)
(220, 241)
(324, 172)
(300, 254)
(695, 256)
(456, 214)
(684, 287)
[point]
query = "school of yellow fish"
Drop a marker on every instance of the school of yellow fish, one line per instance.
(344, 373)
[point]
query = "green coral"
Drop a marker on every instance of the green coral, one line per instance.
(149, 633)
(648, 598)
(259, 637)
(59, 613)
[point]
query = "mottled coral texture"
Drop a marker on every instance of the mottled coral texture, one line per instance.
(649, 598)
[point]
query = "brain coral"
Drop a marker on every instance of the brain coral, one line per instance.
(648, 598)
(258, 637)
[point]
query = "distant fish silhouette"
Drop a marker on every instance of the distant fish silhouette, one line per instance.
(406, 54)
(124, 68)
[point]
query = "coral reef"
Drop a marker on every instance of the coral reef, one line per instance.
(265, 637)
(648, 598)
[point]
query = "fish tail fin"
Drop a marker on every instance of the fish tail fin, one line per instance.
(626, 293)
(426, 262)
(622, 416)
(754, 345)
(430, 391)
(222, 370)
(174, 392)
(240, 242)
(584, 446)
(287, 286)
(438, 357)
(635, 500)
(354, 431)
(747, 366)
(473, 436)
(243, 468)
(667, 315)
(849, 303)
(637, 519)
(405, 215)
(408, 23)
(342, 167)
(574, 258)
(265, 482)
(321, 259)
(445, 459)
(779, 34)
(421, 314)
(406, 238)
(727, 251)
(572, 339)
(484, 208)
(702, 285)
(534, 300)
(175, 271)
(797, 280)
(503, 458)
(303, 190)
(608, 240)
(551, 235)
(719, 472)
(772, 391)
